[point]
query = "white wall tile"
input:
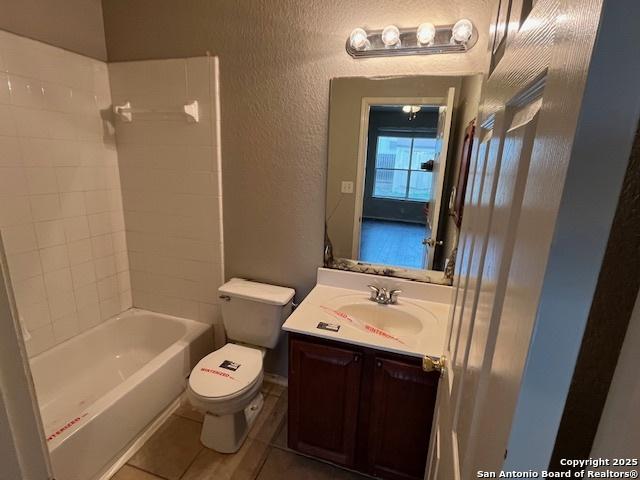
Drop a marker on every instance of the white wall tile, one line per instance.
(76, 228)
(14, 210)
(80, 251)
(54, 258)
(45, 207)
(10, 152)
(35, 315)
(107, 288)
(24, 265)
(19, 238)
(58, 281)
(13, 181)
(61, 304)
(83, 274)
(66, 327)
(41, 180)
(50, 233)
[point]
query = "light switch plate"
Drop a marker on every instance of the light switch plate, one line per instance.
(346, 187)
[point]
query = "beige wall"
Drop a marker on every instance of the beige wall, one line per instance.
(170, 182)
(276, 61)
(61, 212)
(344, 135)
(74, 25)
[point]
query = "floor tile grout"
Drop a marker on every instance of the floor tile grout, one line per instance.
(186, 470)
(147, 471)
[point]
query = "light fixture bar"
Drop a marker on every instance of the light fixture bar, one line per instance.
(443, 42)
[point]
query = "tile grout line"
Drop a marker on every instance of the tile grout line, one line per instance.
(262, 463)
(186, 470)
(145, 471)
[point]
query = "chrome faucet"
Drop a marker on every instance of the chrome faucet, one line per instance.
(383, 296)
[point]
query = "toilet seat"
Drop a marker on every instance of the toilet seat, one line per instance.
(227, 373)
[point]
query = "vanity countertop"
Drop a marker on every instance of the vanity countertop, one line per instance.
(344, 313)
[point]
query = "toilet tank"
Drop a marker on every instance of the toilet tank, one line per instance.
(254, 312)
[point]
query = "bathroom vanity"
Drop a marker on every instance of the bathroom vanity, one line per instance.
(358, 393)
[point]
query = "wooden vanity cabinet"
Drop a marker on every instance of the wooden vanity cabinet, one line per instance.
(361, 408)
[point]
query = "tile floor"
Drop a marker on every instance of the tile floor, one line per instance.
(174, 452)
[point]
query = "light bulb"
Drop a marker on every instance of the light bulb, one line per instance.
(426, 33)
(411, 108)
(461, 31)
(391, 36)
(358, 39)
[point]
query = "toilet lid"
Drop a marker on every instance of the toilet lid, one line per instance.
(227, 371)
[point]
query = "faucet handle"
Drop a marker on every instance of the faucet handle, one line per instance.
(393, 295)
(375, 291)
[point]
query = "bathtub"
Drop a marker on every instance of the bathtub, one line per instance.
(99, 390)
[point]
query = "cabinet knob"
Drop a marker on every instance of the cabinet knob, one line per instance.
(356, 358)
(379, 364)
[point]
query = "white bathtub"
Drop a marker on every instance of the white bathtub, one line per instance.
(99, 390)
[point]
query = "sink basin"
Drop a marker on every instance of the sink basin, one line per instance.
(392, 320)
(403, 320)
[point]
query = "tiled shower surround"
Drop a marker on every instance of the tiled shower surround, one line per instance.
(61, 213)
(61, 200)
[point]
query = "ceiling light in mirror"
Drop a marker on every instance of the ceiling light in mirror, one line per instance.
(358, 39)
(425, 33)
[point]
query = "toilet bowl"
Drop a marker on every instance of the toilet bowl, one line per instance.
(225, 385)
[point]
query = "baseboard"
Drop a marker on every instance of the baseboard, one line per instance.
(277, 379)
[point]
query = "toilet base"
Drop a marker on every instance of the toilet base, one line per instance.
(227, 433)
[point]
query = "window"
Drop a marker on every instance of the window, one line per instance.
(397, 169)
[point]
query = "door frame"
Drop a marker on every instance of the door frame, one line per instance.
(366, 104)
(363, 138)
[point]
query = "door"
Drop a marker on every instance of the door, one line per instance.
(437, 178)
(516, 183)
(402, 406)
(326, 380)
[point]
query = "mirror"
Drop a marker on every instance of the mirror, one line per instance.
(399, 157)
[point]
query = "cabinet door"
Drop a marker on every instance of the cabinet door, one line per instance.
(324, 390)
(402, 407)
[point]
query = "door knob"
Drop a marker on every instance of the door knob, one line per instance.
(431, 242)
(430, 364)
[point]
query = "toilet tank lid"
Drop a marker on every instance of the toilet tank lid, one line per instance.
(260, 292)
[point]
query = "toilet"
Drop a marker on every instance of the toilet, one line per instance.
(225, 385)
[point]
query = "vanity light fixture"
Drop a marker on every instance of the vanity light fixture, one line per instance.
(426, 39)
(462, 31)
(425, 33)
(412, 110)
(358, 39)
(391, 36)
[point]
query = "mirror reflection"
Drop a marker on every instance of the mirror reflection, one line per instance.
(399, 152)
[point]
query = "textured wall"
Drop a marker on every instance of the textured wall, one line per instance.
(276, 61)
(170, 185)
(60, 201)
(74, 25)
